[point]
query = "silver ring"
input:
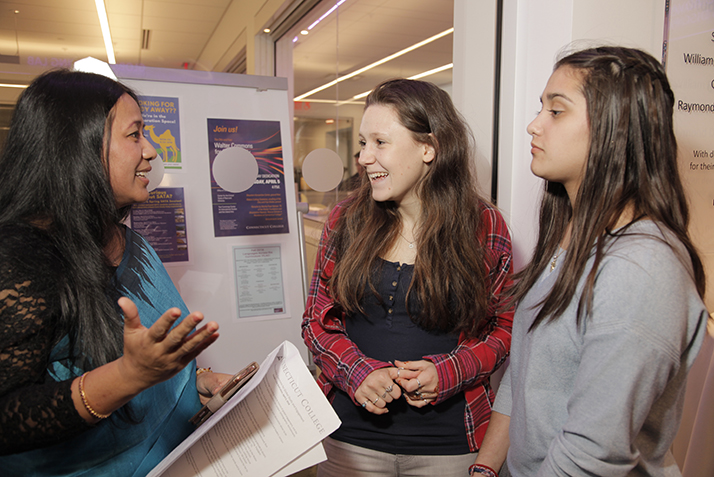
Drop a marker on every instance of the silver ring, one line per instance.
(419, 382)
(417, 393)
(376, 400)
(398, 371)
(364, 404)
(424, 399)
(385, 394)
(389, 389)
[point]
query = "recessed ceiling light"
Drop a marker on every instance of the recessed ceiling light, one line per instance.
(376, 63)
(266, 30)
(304, 32)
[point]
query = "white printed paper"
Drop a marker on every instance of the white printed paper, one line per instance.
(274, 426)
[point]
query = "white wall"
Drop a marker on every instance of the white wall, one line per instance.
(473, 77)
(534, 31)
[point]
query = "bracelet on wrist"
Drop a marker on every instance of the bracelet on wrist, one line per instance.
(481, 469)
(85, 401)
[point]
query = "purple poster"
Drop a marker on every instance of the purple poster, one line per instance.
(247, 177)
(162, 221)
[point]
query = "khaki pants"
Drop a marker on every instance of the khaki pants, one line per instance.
(347, 460)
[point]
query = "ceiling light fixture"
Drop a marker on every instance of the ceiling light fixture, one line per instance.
(93, 65)
(331, 101)
(377, 63)
(10, 85)
(420, 75)
(104, 23)
(314, 24)
(432, 72)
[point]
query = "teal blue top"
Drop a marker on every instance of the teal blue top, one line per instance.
(114, 447)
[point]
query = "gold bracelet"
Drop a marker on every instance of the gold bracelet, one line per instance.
(86, 402)
(200, 371)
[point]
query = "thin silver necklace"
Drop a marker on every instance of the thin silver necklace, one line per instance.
(411, 244)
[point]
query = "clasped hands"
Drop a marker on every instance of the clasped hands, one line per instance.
(418, 381)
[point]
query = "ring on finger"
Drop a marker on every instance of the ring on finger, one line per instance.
(375, 401)
(389, 389)
(417, 393)
(425, 401)
(384, 395)
(364, 404)
(419, 382)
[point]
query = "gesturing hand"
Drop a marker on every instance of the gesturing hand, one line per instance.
(419, 380)
(378, 389)
(156, 354)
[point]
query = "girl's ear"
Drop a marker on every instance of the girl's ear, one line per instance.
(429, 150)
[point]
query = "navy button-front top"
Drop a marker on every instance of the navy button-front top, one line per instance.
(386, 332)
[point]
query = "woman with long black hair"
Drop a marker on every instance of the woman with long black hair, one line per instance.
(95, 379)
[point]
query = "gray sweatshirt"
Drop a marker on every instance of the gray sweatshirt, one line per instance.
(605, 398)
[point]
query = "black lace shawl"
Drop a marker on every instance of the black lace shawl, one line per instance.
(35, 410)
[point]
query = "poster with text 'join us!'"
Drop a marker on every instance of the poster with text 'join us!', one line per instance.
(247, 177)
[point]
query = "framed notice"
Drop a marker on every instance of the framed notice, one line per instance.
(259, 281)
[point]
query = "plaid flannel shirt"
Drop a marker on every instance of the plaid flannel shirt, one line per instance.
(466, 369)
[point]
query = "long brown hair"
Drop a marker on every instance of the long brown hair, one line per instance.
(449, 272)
(632, 162)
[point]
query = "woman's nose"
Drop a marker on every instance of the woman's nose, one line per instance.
(534, 127)
(365, 157)
(148, 151)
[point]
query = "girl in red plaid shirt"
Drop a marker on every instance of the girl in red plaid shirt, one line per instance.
(405, 316)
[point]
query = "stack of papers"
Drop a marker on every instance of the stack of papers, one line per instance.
(272, 427)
